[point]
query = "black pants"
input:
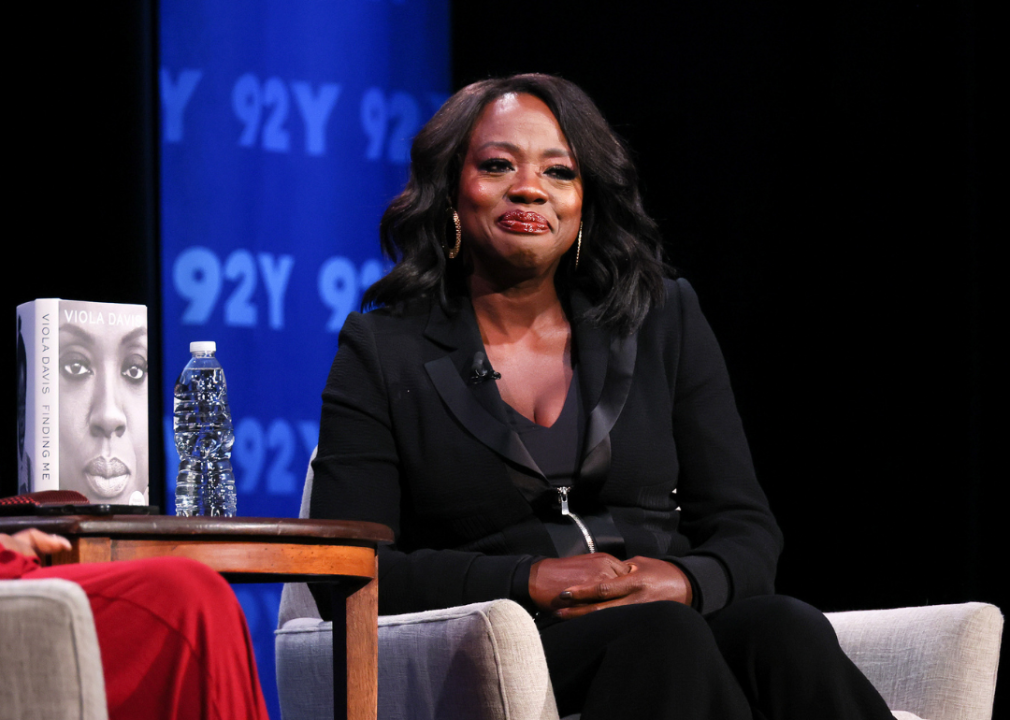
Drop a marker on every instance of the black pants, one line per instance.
(769, 658)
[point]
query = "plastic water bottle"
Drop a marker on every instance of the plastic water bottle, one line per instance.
(204, 437)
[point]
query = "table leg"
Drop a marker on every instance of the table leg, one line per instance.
(340, 610)
(355, 650)
(363, 652)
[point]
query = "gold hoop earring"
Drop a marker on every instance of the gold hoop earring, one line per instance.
(578, 246)
(459, 235)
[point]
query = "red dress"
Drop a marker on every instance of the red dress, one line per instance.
(173, 638)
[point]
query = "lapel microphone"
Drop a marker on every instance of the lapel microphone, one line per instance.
(481, 370)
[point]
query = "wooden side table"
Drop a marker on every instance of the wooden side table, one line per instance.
(342, 553)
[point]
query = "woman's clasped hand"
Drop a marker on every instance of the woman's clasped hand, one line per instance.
(573, 586)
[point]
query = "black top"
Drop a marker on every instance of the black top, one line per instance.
(555, 449)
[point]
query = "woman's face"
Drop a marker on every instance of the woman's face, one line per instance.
(103, 406)
(520, 192)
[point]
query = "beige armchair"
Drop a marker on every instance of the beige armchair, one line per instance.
(938, 662)
(485, 661)
(50, 664)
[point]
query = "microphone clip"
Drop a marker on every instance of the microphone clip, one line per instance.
(481, 370)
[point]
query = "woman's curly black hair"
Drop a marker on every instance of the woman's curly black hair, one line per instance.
(621, 264)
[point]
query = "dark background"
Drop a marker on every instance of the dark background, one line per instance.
(824, 177)
(84, 198)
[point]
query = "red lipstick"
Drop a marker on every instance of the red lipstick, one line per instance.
(519, 221)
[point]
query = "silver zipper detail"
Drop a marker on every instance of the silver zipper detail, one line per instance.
(563, 496)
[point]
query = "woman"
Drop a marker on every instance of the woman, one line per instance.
(173, 638)
(540, 415)
(103, 401)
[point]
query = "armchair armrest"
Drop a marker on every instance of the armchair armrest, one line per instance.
(938, 662)
(50, 661)
(479, 662)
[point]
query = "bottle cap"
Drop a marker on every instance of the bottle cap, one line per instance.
(204, 346)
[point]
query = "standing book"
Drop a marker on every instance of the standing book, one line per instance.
(82, 399)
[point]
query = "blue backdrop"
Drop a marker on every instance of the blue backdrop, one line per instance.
(286, 129)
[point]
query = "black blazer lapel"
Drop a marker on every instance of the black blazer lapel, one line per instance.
(477, 406)
(606, 369)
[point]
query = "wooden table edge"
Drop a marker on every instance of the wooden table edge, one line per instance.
(306, 530)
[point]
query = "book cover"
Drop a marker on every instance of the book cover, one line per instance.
(82, 399)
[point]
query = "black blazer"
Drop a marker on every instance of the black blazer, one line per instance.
(408, 440)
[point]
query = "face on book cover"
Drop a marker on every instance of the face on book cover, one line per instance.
(103, 406)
